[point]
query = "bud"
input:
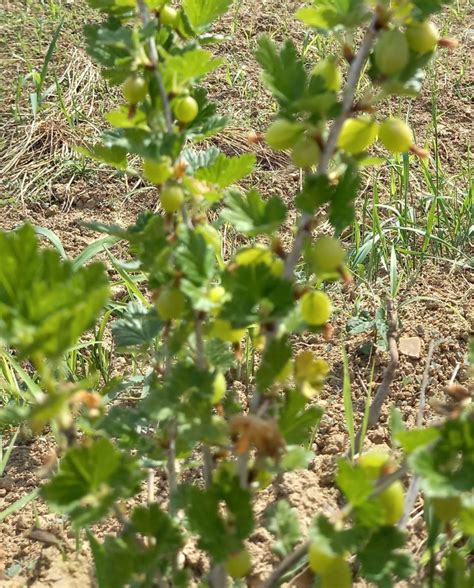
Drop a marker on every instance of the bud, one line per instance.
(448, 43)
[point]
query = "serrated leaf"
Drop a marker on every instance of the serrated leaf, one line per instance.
(45, 304)
(252, 215)
(423, 8)
(274, 359)
(112, 46)
(282, 521)
(256, 294)
(115, 156)
(217, 534)
(296, 458)
(207, 123)
(137, 326)
(447, 466)
(202, 13)
(90, 479)
(341, 204)
(283, 69)
(199, 159)
(414, 438)
(381, 560)
(296, 421)
(195, 257)
(187, 67)
(316, 192)
(225, 171)
(353, 481)
(330, 14)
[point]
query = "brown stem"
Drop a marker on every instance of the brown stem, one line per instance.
(389, 374)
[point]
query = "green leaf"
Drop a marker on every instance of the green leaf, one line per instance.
(115, 156)
(126, 561)
(221, 516)
(282, 521)
(297, 423)
(446, 467)
(137, 326)
(330, 14)
(274, 359)
(284, 71)
(187, 67)
(45, 304)
(114, 561)
(152, 521)
(381, 560)
(207, 123)
(113, 6)
(353, 481)
(414, 438)
(296, 458)
(341, 206)
(225, 171)
(316, 192)
(334, 541)
(195, 258)
(252, 215)
(200, 159)
(202, 13)
(256, 295)
(112, 46)
(423, 8)
(90, 479)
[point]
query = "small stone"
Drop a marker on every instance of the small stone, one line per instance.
(410, 346)
(3, 492)
(6, 483)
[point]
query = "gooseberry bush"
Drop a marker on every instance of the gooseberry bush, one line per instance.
(194, 317)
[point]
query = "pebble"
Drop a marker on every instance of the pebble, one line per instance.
(6, 484)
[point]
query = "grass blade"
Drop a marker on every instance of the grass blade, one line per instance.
(348, 408)
(18, 504)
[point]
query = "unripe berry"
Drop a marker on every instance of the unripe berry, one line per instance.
(134, 89)
(328, 70)
(169, 16)
(239, 564)
(223, 330)
(305, 152)
(391, 52)
(170, 304)
(283, 134)
(186, 109)
(446, 508)
(319, 559)
(219, 388)
(171, 198)
(337, 575)
(157, 172)
(315, 308)
(422, 37)
(395, 135)
(327, 255)
(357, 134)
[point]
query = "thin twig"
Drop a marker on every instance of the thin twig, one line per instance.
(414, 487)
(153, 54)
(389, 373)
(424, 384)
